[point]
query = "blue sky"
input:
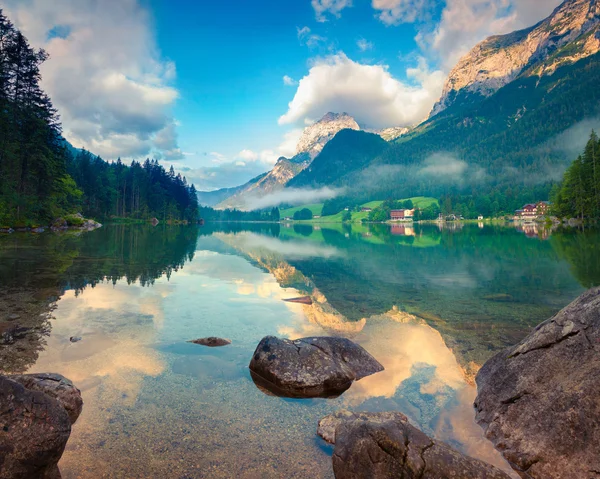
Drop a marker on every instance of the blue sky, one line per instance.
(231, 58)
(200, 84)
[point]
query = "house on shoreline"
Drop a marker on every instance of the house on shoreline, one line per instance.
(402, 215)
(531, 212)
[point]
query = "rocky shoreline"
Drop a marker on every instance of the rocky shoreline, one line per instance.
(70, 222)
(537, 402)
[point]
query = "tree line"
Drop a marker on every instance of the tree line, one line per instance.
(41, 179)
(141, 190)
(578, 195)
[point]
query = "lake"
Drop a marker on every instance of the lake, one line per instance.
(431, 304)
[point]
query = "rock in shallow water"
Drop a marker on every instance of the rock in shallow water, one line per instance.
(310, 367)
(539, 401)
(385, 445)
(211, 342)
(34, 429)
(55, 386)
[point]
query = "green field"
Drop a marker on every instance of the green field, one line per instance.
(315, 208)
(357, 217)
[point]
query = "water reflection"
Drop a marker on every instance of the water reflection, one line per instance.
(431, 307)
(36, 270)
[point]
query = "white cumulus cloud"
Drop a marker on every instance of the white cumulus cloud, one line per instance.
(364, 45)
(394, 12)
(247, 155)
(105, 74)
(331, 7)
(289, 81)
(367, 92)
(310, 39)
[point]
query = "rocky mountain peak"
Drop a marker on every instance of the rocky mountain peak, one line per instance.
(570, 33)
(316, 136)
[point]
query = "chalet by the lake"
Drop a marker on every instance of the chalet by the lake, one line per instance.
(532, 211)
(399, 215)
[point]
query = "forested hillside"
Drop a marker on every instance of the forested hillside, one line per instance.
(490, 157)
(349, 150)
(41, 178)
(137, 191)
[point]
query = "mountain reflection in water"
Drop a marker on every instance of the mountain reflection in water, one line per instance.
(431, 306)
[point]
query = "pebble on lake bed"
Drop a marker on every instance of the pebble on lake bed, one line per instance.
(211, 342)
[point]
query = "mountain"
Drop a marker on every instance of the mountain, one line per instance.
(569, 34)
(212, 198)
(494, 145)
(389, 134)
(316, 136)
(283, 171)
(311, 143)
(348, 150)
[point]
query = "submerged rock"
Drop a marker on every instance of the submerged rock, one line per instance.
(310, 367)
(211, 342)
(301, 300)
(75, 339)
(35, 429)
(386, 445)
(538, 401)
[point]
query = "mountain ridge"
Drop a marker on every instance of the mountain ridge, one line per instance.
(569, 34)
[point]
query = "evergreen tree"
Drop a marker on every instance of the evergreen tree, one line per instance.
(578, 195)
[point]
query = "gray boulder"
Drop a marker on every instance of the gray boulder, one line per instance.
(310, 367)
(386, 446)
(211, 342)
(55, 386)
(539, 401)
(34, 431)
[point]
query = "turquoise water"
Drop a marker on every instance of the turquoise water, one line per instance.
(431, 305)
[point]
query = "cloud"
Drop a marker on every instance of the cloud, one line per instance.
(443, 165)
(572, 141)
(367, 92)
(247, 155)
(364, 45)
(394, 12)
(105, 74)
(331, 7)
(165, 141)
(464, 23)
(311, 40)
(223, 175)
(447, 168)
(289, 81)
(289, 145)
(292, 196)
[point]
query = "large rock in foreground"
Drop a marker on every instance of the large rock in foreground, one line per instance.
(539, 401)
(385, 445)
(34, 429)
(55, 386)
(310, 367)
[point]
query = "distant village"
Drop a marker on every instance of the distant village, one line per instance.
(529, 212)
